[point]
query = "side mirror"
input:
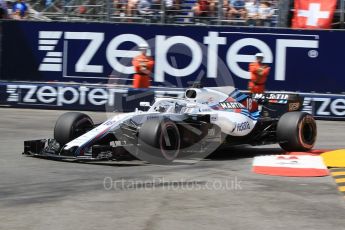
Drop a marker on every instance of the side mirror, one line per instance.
(145, 104)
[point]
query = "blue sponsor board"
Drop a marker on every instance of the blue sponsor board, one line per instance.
(325, 106)
(101, 98)
(76, 97)
(98, 53)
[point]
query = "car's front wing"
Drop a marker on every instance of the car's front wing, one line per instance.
(51, 149)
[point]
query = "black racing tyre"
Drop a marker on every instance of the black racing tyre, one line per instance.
(296, 131)
(159, 141)
(71, 125)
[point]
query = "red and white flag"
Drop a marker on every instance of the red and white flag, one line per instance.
(313, 13)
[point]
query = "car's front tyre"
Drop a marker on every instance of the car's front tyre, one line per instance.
(71, 125)
(159, 141)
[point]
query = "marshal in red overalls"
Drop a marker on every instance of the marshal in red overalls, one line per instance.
(143, 66)
(258, 75)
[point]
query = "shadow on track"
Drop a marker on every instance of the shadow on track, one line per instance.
(222, 154)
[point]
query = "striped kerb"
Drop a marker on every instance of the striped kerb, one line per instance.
(339, 177)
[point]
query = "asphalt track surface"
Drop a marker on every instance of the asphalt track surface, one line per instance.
(216, 193)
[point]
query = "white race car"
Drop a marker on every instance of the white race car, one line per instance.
(193, 126)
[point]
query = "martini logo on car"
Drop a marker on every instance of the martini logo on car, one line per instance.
(271, 96)
(231, 105)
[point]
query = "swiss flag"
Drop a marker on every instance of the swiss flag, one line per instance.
(313, 13)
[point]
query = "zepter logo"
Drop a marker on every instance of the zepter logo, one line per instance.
(100, 54)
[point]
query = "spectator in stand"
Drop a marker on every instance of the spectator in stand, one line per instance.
(3, 9)
(201, 8)
(252, 12)
(236, 9)
(81, 10)
(145, 7)
(16, 15)
(20, 10)
(156, 10)
(48, 3)
(171, 9)
(132, 8)
(213, 8)
(120, 7)
(265, 13)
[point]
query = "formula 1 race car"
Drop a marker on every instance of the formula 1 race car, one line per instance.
(193, 126)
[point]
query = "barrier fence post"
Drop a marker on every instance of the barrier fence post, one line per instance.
(162, 12)
(108, 10)
(220, 12)
(342, 8)
(64, 8)
(283, 13)
(1, 50)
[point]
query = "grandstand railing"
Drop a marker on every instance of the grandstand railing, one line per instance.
(125, 11)
(122, 12)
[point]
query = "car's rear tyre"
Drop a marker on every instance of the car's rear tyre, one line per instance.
(71, 125)
(296, 131)
(159, 141)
